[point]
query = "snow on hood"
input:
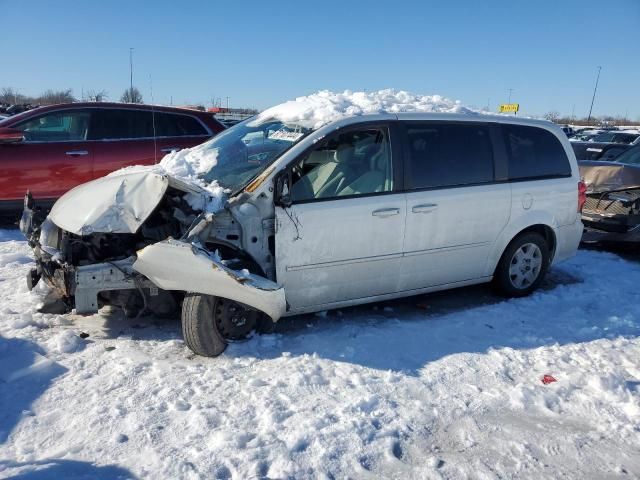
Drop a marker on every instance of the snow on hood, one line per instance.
(187, 166)
(324, 106)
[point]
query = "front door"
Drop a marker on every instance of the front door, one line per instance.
(54, 157)
(342, 238)
(455, 207)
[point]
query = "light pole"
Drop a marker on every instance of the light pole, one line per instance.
(510, 90)
(594, 94)
(130, 70)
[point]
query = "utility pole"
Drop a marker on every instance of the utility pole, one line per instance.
(227, 104)
(510, 90)
(130, 70)
(594, 94)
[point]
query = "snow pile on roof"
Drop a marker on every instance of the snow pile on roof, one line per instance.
(324, 106)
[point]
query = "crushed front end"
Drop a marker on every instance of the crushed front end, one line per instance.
(145, 242)
(87, 271)
(611, 212)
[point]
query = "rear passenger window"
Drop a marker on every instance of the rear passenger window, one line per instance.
(115, 124)
(175, 125)
(442, 155)
(534, 153)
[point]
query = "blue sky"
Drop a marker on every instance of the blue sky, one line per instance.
(261, 53)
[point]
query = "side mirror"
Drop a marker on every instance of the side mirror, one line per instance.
(11, 135)
(282, 193)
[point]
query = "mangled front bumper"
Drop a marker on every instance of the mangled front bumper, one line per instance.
(174, 265)
(168, 265)
(612, 216)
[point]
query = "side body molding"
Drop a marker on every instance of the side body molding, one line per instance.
(175, 265)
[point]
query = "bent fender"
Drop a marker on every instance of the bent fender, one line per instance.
(174, 265)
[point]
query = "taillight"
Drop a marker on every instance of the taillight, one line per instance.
(582, 195)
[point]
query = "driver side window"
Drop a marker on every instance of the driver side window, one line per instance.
(57, 127)
(351, 163)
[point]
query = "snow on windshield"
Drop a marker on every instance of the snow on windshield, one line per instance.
(324, 106)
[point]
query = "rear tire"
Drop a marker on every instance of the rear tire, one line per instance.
(198, 326)
(523, 265)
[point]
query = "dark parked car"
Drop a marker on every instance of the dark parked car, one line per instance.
(612, 210)
(598, 151)
(50, 150)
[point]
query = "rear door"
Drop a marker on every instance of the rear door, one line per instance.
(54, 157)
(122, 138)
(176, 131)
(457, 204)
(538, 170)
(342, 238)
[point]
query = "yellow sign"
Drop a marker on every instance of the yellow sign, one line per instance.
(509, 108)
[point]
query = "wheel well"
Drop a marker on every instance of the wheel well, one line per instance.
(547, 232)
(243, 260)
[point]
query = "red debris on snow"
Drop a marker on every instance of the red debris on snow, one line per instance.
(547, 379)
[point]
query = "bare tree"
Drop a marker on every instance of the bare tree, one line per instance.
(131, 95)
(11, 96)
(97, 95)
(50, 97)
(552, 116)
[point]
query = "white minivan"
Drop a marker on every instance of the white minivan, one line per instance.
(309, 217)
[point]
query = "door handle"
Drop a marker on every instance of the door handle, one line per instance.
(386, 212)
(170, 149)
(426, 208)
(76, 153)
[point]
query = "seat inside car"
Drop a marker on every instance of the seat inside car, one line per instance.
(377, 179)
(328, 178)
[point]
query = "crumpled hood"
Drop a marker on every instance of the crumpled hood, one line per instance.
(116, 203)
(606, 176)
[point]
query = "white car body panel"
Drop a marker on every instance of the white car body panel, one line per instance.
(451, 232)
(174, 265)
(336, 250)
(117, 204)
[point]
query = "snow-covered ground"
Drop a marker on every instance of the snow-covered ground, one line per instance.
(438, 386)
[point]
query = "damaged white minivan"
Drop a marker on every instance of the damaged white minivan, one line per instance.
(298, 213)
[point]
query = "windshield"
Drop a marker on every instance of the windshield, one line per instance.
(246, 149)
(631, 156)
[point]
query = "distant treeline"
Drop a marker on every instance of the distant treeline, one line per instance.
(10, 96)
(602, 120)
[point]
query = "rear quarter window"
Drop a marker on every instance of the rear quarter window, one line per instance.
(534, 153)
(177, 125)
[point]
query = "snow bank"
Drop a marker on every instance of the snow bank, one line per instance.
(323, 107)
(440, 386)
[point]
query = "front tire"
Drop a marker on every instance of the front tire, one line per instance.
(209, 323)
(198, 326)
(523, 265)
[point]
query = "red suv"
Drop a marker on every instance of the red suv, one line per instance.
(50, 150)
